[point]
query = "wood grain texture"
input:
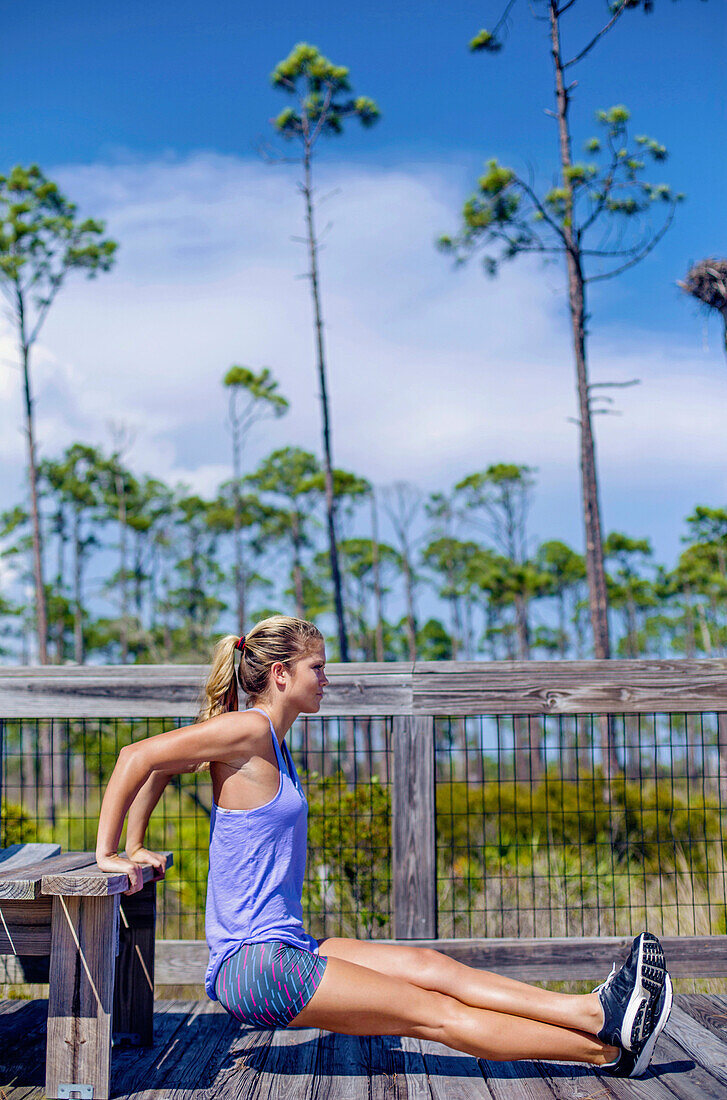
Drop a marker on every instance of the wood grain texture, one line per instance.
(81, 989)
(24, 883)
(452, 1073)
(699, 1042)
(91, 881)
(24, 855)
(25, 927)
(684, 1077)
(413, 829)
(292, 1063)
(200, 1051)
(570, 687)
(171, 691)
(181, 962)
(133, 1068)
(391, 688)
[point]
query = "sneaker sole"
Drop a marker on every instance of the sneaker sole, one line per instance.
(642, 1062)
(651, 974)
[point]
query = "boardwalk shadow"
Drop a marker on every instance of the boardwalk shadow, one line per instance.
(22, 1044)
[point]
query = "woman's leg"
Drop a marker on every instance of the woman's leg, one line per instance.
(356, 1000)
(432, 970)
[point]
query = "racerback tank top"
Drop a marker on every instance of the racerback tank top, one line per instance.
(257, 865)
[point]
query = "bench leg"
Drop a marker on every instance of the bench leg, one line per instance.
(134, 987)
(84, 937)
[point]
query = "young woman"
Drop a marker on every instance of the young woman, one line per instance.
(264, 968)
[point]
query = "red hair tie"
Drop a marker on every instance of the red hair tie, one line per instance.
(241, 643)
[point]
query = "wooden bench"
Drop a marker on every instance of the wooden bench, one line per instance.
(101, 952)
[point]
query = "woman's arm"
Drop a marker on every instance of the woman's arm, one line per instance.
(140, 811)
(143, 764)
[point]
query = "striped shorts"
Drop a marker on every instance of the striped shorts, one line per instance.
(265, 985)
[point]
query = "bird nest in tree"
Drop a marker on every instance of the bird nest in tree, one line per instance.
(707, 281)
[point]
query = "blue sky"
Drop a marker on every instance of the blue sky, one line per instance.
(149, 115)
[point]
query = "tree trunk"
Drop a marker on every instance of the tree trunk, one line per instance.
(327, 461)
(523, 628)
(690, 642)
(576, 297)
(237, 516)
(124, 632)
(78, 654)
(411, 625)
(297, 569)
(59, 625)
(41, 614)
(378, 597)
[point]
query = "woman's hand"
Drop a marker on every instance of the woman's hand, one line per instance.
(117, 864)
(156, 859)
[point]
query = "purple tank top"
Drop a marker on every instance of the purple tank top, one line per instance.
(257, 864)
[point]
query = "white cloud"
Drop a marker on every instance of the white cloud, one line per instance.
(433, 371)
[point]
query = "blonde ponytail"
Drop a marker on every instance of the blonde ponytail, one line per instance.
(220, 692)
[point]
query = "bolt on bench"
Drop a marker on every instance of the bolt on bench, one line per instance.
(101, 948)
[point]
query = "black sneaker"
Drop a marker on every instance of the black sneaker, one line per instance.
(629, 1064)
(659, 1016)
(628, 995)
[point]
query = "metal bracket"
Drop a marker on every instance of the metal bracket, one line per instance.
(75, 1092)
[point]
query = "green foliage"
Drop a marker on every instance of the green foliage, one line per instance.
(485, 40)
(17, 826)
(320, 88)
(41, 238)
(352, 846)
(507, 216)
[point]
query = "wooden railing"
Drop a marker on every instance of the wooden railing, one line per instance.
(413, 694)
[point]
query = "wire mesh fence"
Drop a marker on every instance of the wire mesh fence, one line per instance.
(536, 835)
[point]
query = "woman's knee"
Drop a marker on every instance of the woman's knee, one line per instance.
(430, 966)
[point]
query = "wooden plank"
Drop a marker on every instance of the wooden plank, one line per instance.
(243, 1069)
(24, 883)
(80, 1001)
(452, 1073)
(515, 1080)
(342, 1067)
(413, 829)
(707, 1011)
(684, 1077)
(180, 962)
(291, 1066)
(132, 1067)
(25, 927)
(574, 958)
(388, 1079)
(22, 1040)
(24, 855)
(699, 1042)
(192, 1060)
(569, 687)
(91, 881)
(133, 1014)
(391, 688)
(173, 691)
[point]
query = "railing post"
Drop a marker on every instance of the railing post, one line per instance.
(413, 829)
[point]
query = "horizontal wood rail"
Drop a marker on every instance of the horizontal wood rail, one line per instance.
(453, 688)
(183, 962)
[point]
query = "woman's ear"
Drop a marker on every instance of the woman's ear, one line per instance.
(277, 673)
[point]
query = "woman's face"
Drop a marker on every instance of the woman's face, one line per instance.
(308, 679)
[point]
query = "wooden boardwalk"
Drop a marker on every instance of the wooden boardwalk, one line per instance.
(200, 1053)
